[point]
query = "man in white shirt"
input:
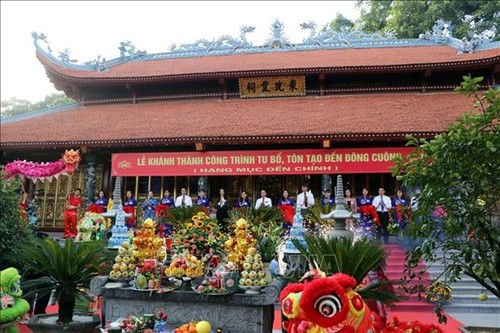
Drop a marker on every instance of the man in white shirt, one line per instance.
(305, 199)
(382, 204)
(183, 200)
(263, 200)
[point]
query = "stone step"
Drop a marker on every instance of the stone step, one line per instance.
(474, 308)
(470, 290)
(413, 305)
(473, 299)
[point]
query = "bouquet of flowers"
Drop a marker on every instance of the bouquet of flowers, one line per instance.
(199, 235)
(90, 227)
(439, 293)
(395, 229)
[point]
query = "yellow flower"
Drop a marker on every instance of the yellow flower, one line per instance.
(481, 202)
(199, 224)
(209, 228)
(218, 234)
(189, 226)
(241, 223)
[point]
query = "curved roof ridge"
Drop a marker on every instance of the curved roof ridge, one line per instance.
(39, 113)
(328, 39)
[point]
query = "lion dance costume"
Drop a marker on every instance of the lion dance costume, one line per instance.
(13, 306)
(331, 304)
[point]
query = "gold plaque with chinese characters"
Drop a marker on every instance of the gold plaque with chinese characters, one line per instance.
(275, 86)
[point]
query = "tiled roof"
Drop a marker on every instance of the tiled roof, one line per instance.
(365, 59)
(344, 118)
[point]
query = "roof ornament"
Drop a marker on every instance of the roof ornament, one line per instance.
(311, 26)
(37, 37)
(223, 44)
(329, 38)
(441, 32)
(244, 30)
(99, 64)
(65, 56)
(324, 39)
(484, 37)
(128, 51)
(278, 39)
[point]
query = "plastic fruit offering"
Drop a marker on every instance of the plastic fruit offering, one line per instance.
(148, 244)
(203, 327)
(254, 272)
(141, 282)
(124, 266)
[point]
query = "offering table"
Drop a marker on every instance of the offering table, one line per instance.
(238, 312)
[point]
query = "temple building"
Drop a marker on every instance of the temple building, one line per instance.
(228, 114)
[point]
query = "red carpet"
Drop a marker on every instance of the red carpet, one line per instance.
(413, 308)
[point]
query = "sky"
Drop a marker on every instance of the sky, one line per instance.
(92, 28)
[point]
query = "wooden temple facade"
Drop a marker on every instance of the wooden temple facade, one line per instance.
(227, 114)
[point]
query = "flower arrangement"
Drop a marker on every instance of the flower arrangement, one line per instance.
(148, 245)
(198, 236)
(439, 293)
(395, 229)
(90, 227)
(237, 247)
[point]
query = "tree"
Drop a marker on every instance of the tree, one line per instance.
(410, 18)
(341, 23)
(459, 171)
(15, 106)
(14, 231)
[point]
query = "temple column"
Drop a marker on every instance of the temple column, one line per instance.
(91, 159)
(326, 183)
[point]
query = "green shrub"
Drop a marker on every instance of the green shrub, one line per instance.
(14, 231)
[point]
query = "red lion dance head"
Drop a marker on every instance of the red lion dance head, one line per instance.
(332, 305)
(71, 158)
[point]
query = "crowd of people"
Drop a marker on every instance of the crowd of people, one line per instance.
(380, 208)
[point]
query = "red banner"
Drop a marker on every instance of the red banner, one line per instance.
(258, 162)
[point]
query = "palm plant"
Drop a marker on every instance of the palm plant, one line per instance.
(263, 215)
(268, 239)
(314, 214)
(178, 216)
(333, 255)
(68, 269)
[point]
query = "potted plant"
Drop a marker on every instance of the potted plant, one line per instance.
(357, 259)
(68, 269)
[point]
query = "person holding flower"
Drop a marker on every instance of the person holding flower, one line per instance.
(165, 203)
(287, 206)
(400, 204)
(149, 207)
(129, 205)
